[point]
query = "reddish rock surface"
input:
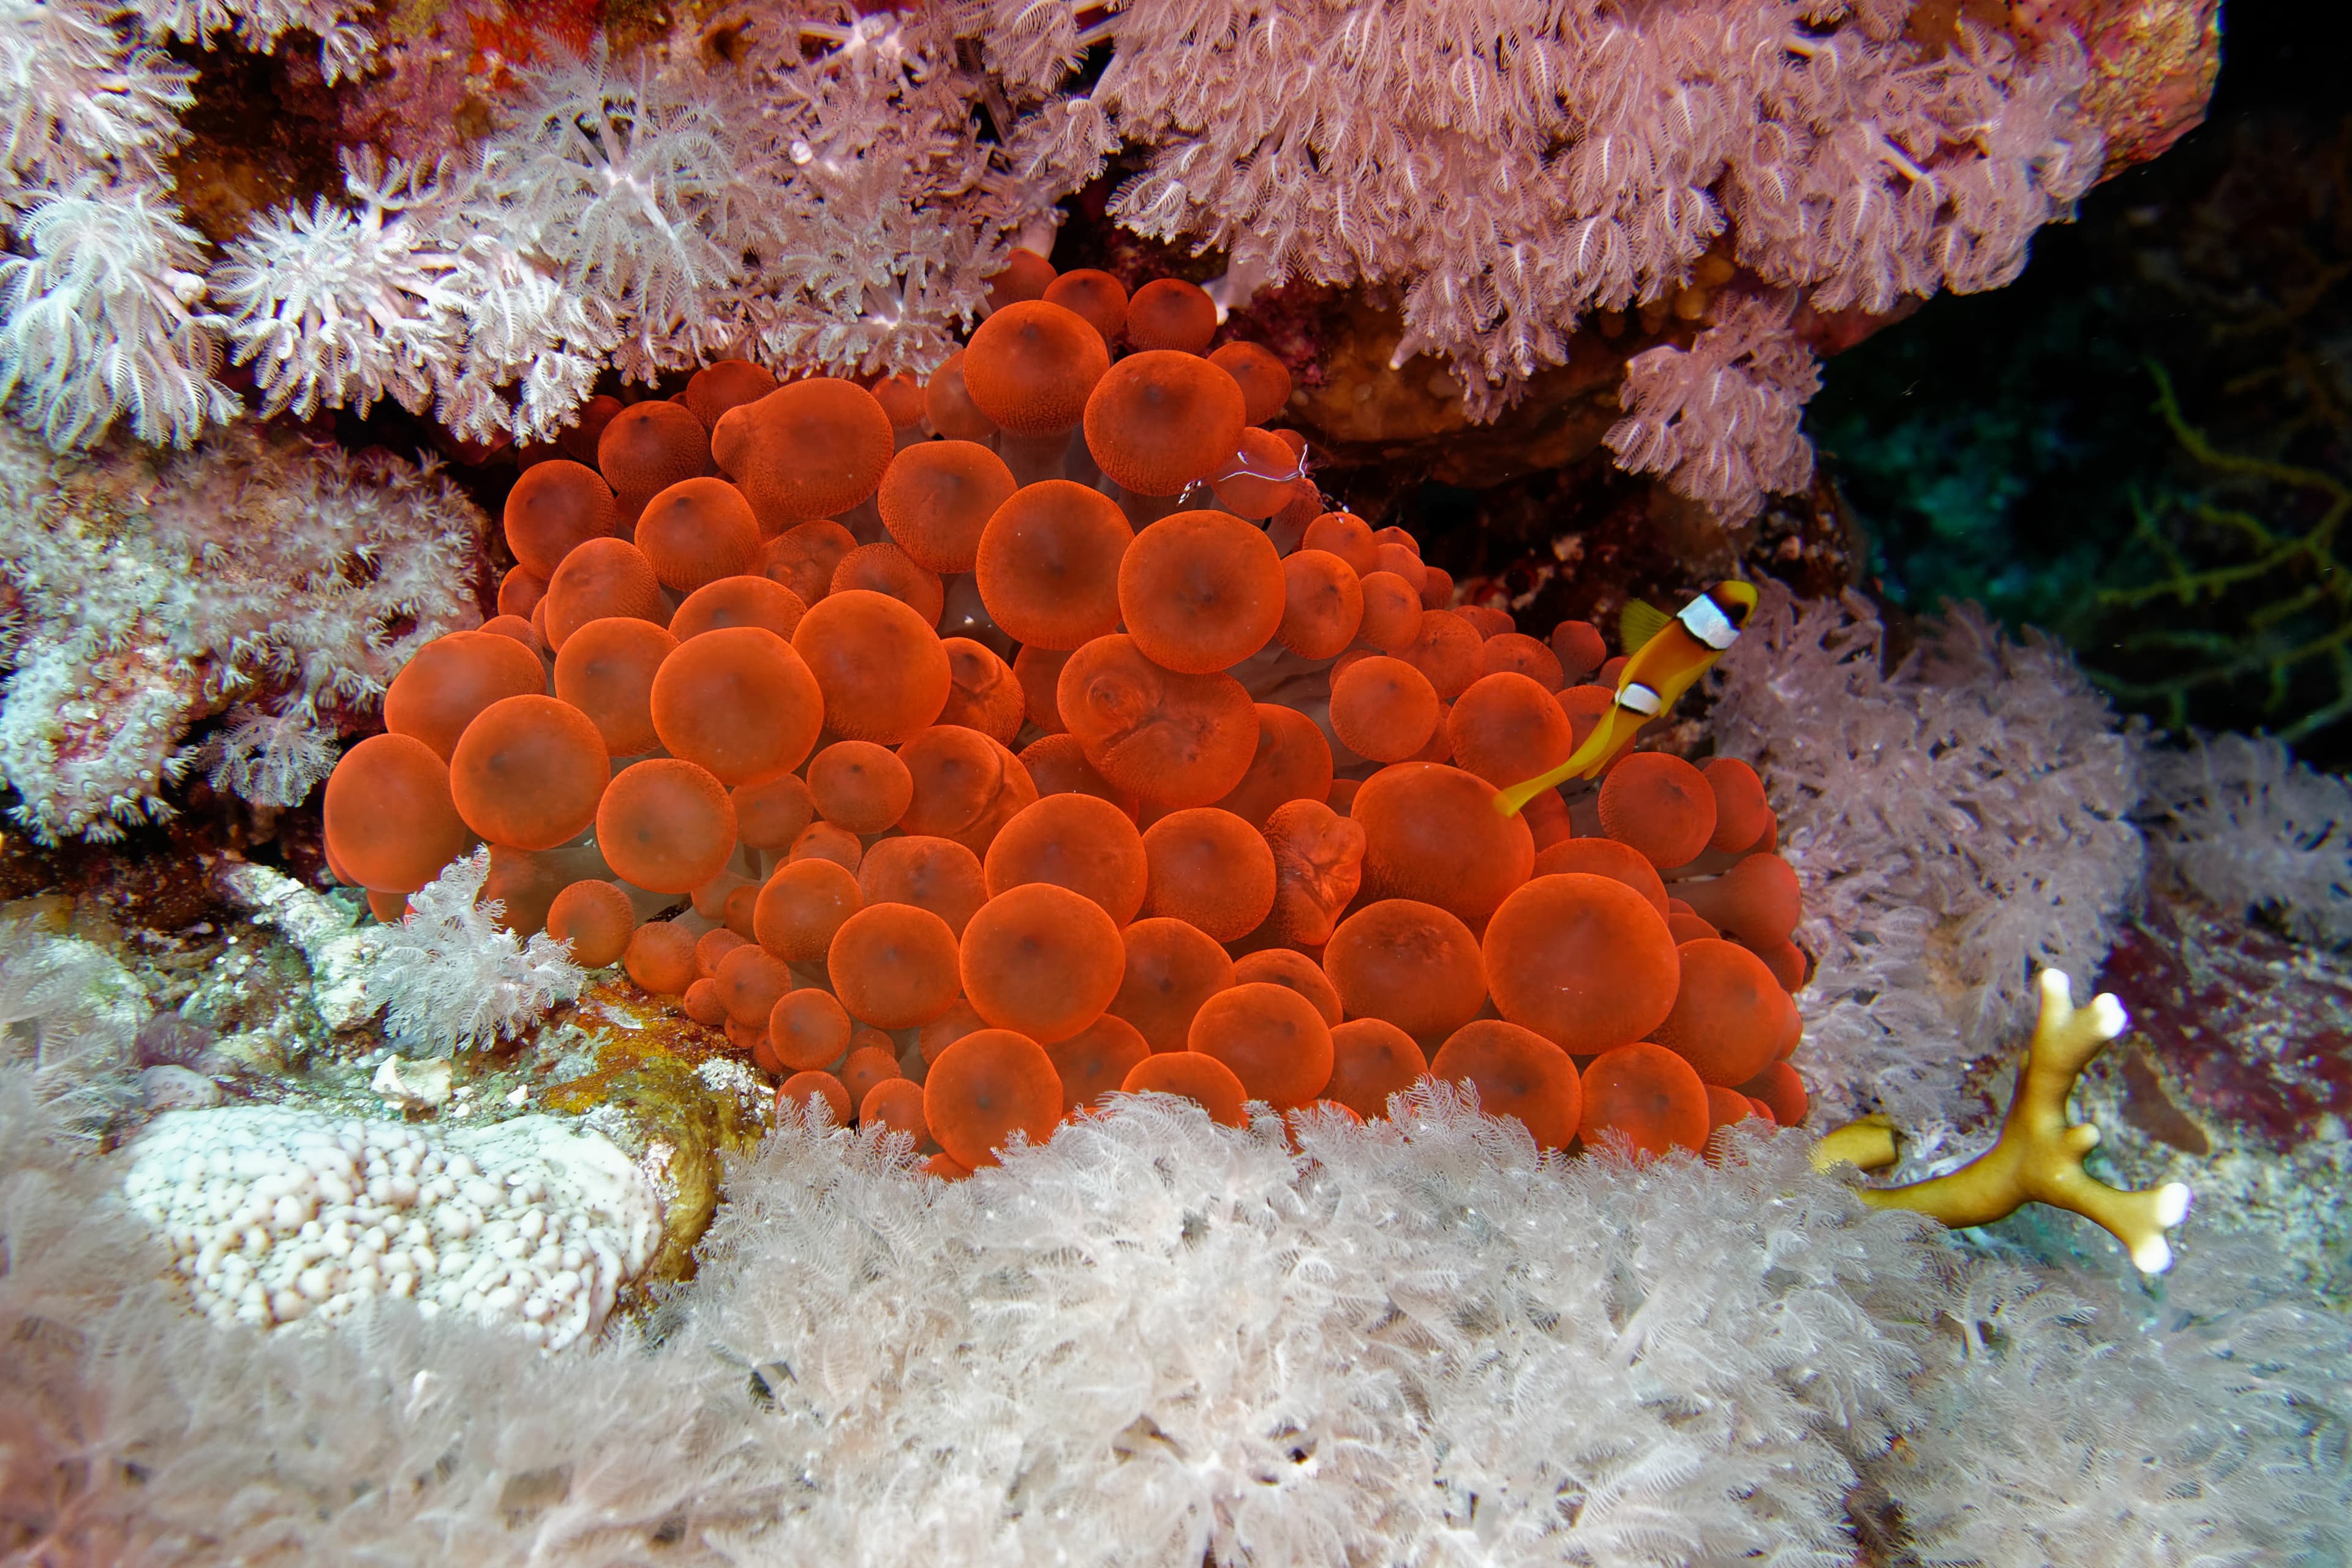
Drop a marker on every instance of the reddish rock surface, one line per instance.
(2153, 65)
(2241, 1025)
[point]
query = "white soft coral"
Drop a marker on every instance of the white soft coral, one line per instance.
(68, 1013)
(394, 296)
(100, 316)
(1511, 166)
(635, 186)
(611, 222)
(340, 306)
(533, 348)
(893, 212)
(2243, 823)
(1957, 823)
(1722, 419)
(450, 977)
(1159, 1342)
(270, 759)
(102, 321)
(1176, 1344)
(344, 47)
(77, 101)
(1880, 170)
(825, 202)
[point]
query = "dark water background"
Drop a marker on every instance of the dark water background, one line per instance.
(2013, 447)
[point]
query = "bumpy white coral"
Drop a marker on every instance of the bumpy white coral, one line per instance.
(156, 589)
(275, 1215)
(1957, 823)
(449, 977)
(2243, 823)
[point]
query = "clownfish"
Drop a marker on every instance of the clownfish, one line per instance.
(1665, 656)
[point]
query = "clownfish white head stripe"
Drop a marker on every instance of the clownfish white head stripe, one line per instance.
(1704, 620)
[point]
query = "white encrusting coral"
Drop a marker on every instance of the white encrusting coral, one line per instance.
(336, 947)
(275, 1215)
(155, 589)
(1958, 823)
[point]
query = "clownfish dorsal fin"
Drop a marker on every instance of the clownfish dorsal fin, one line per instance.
(1639, 622)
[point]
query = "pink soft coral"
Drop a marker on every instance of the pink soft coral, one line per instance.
(1720, 418)
(1513, 167)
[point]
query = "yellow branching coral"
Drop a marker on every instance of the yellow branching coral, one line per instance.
(2039, 1157)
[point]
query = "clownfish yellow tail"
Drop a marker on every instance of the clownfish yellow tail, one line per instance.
(1597, 749)
(1509, 802)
